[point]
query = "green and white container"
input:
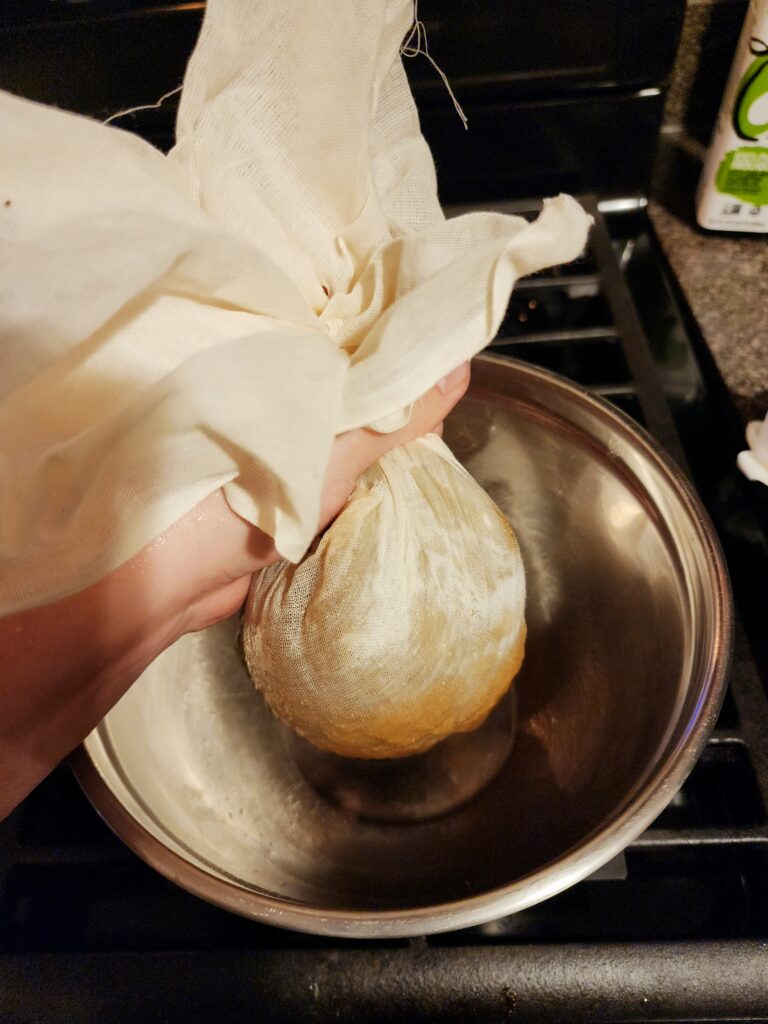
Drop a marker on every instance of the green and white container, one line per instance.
(733, 191)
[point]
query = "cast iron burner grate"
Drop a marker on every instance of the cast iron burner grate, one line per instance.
(90, 933)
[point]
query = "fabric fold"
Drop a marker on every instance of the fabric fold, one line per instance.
(174, 324)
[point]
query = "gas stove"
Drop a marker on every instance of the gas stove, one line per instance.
(677, 930)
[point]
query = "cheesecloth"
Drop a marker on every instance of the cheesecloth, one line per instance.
(173, 324)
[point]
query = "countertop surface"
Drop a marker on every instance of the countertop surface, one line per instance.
(724, 278)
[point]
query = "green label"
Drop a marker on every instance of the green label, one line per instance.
(753, 85)
(744, 173)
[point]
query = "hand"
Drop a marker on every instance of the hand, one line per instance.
(228, 549)
(66, 664)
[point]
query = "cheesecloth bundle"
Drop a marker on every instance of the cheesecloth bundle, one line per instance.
(405, 622)
(173, 324)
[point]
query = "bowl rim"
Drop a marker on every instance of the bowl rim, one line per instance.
(637, 812)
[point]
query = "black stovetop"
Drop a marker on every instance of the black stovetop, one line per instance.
(88, 932)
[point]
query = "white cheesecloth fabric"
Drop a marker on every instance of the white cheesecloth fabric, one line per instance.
(173, 324)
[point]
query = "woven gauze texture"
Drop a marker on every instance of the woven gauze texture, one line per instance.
(212, 318)
(404, 624)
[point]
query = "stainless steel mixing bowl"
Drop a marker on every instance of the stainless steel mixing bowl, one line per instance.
(629, 625)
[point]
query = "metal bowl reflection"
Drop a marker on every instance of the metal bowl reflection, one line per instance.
(629, 624)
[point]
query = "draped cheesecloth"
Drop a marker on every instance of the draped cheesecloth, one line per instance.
(173, 324)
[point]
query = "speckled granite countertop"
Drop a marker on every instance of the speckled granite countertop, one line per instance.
(724, 278)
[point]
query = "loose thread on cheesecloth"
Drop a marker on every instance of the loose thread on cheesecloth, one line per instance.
(415, 43)
(144, 106)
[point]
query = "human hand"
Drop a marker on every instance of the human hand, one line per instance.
(71, 661)
(228, 550)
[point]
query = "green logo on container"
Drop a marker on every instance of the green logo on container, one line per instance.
(744, 173)
(753, 85)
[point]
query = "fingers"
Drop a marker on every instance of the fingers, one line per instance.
(454, 380)
(428, 413)
(432, 408)
(355, 451)
(228, 548)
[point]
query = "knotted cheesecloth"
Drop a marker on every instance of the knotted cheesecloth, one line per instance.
(212, 318)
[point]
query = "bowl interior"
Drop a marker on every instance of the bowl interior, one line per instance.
(617, 668)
